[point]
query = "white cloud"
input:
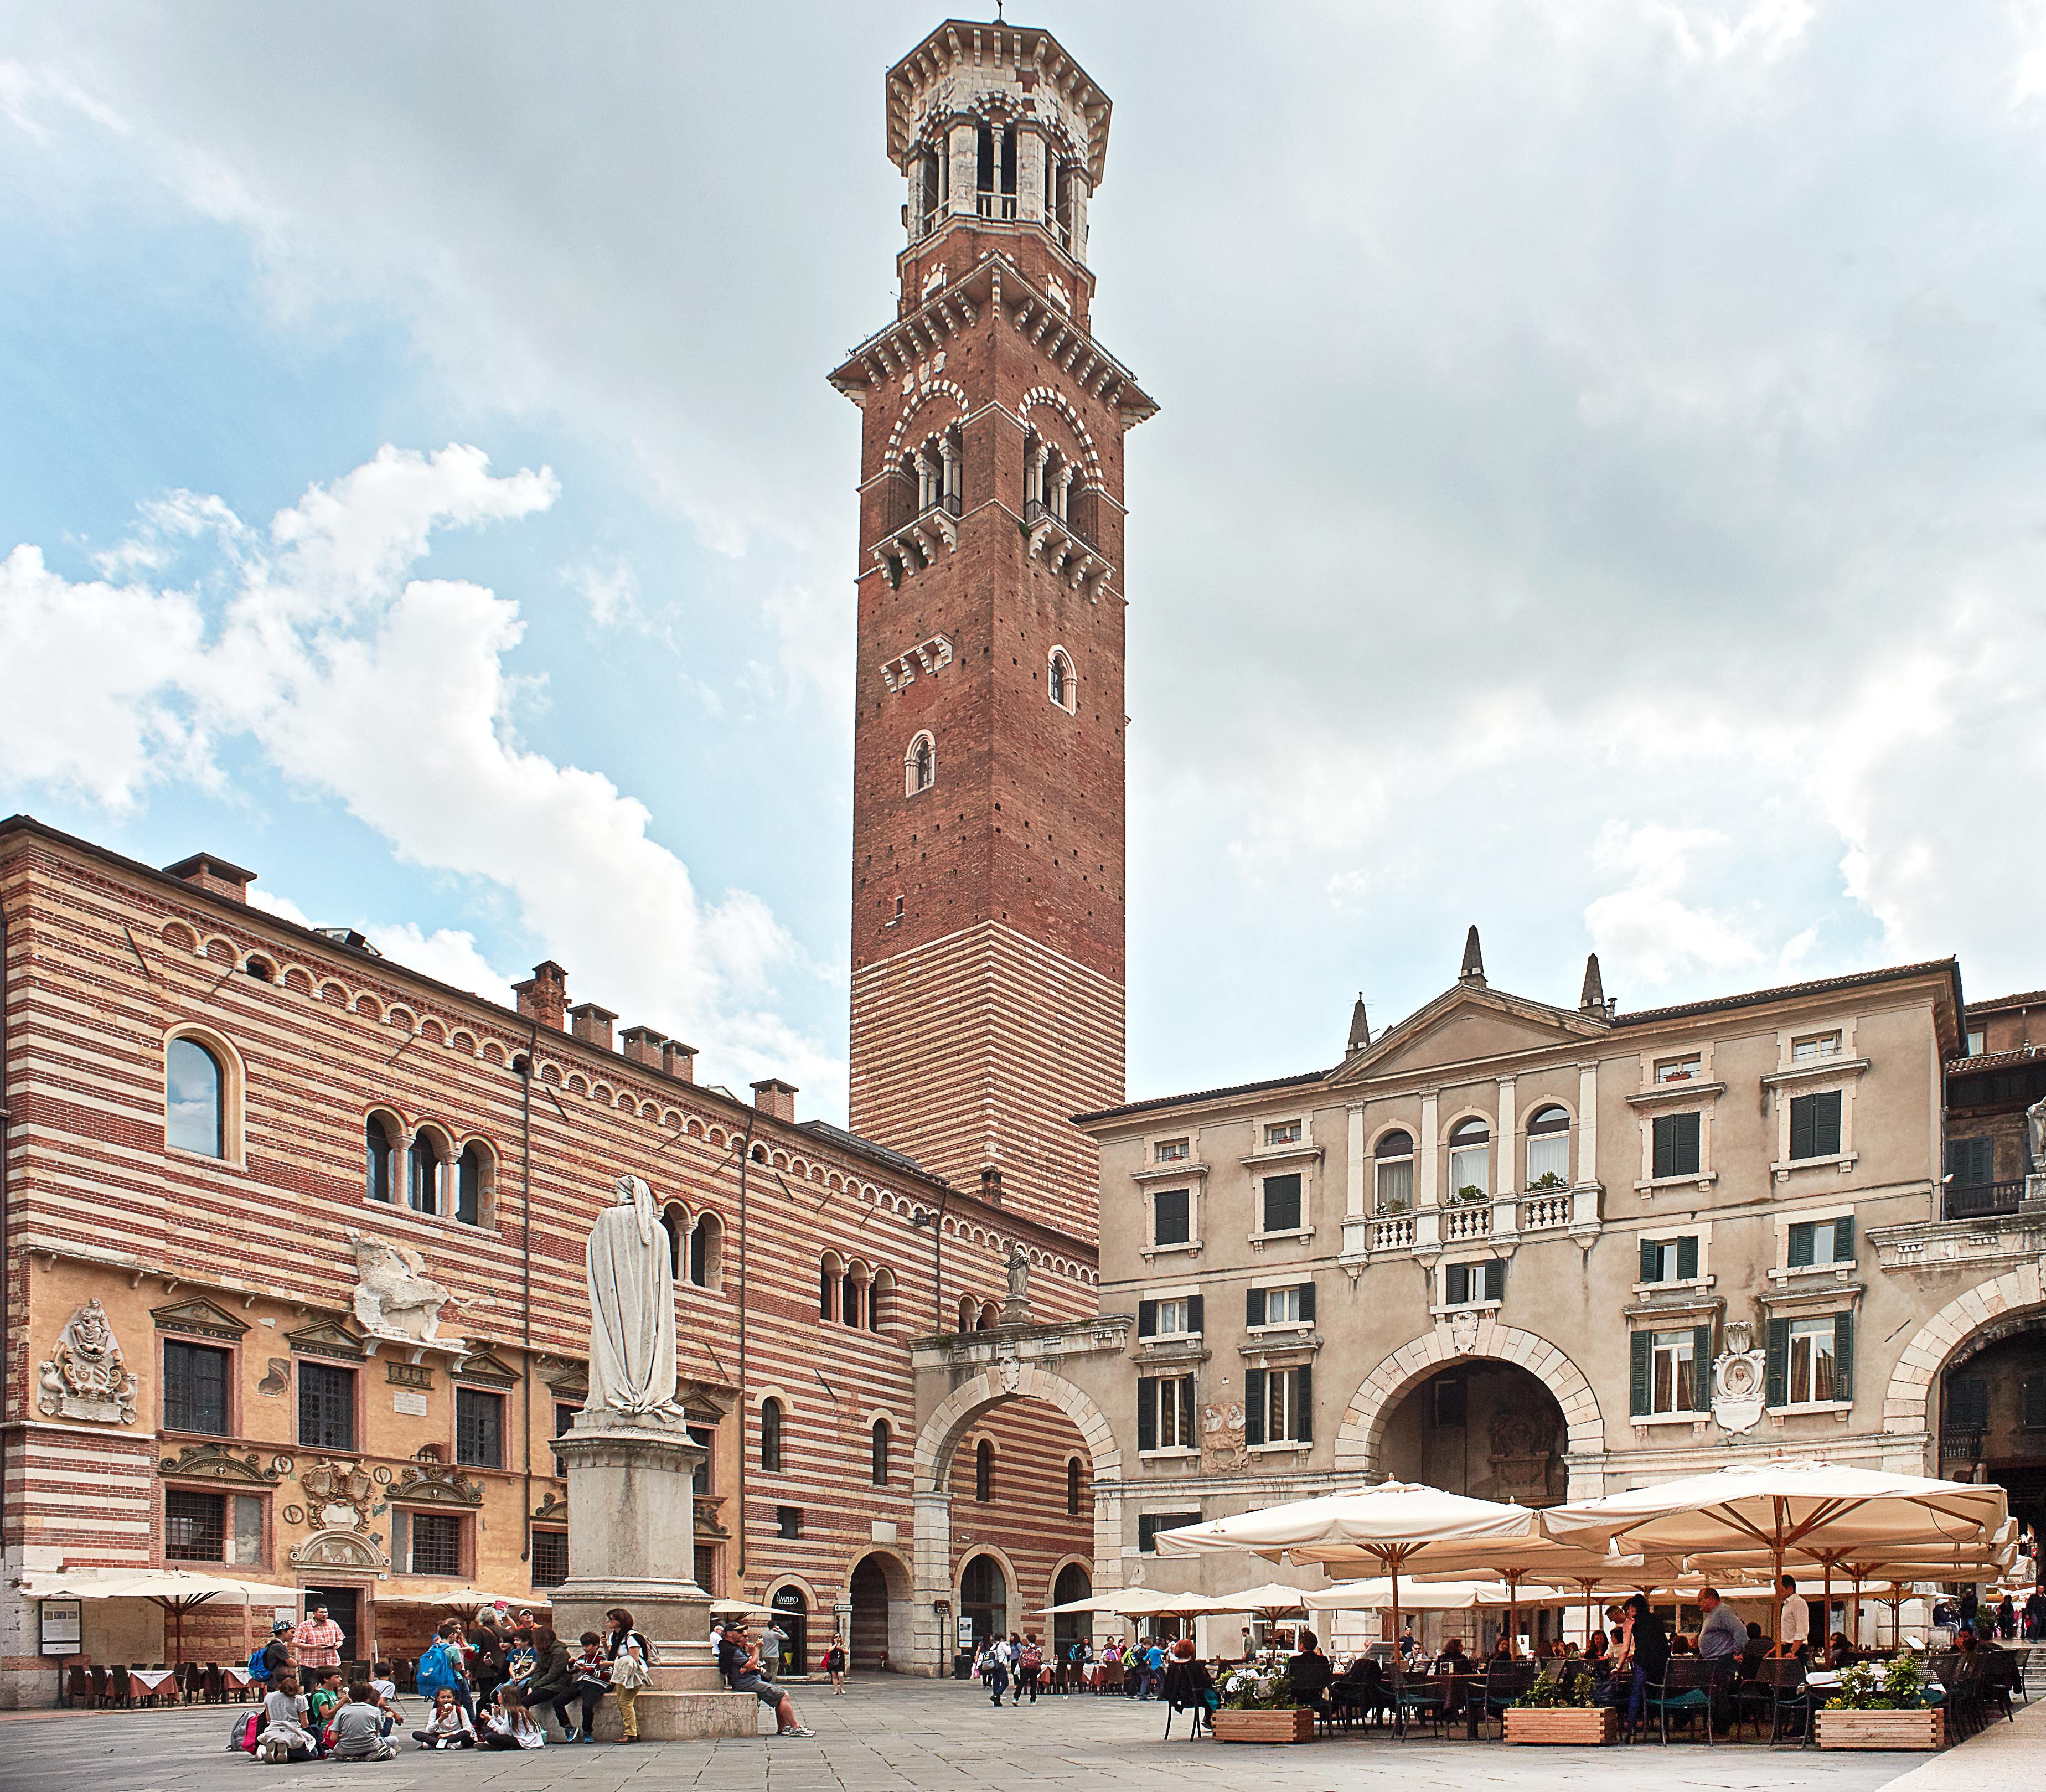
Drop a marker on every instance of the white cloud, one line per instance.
(1645, 925)
(607, 585)
(392, 695)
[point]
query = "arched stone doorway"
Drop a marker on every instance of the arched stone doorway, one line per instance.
(984, 1598)
(879, 1593)
(1483, 1427)
(1067, 1628)
(1362, 1439)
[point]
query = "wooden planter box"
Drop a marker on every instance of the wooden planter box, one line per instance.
(1284, 1723)
(1579, 1724)
(1883, 1729)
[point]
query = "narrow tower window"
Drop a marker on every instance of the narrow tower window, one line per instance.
(1061, 685)
(920, 765)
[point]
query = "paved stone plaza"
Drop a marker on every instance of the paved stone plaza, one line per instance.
(900, 1735)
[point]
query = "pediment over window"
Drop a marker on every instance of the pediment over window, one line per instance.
(326, 1337)
(215, 1462)
(198, 1319)
(485, 1370)
(1465, 1025)
(569, 1380)
(704, 1400)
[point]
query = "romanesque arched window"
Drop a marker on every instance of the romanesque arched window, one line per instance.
(378, 1151)
(771, 1436)
(920, 765)
(195, 1099)
(983, 1472)
(1060, 684)
(706, 1252)
(473, 1178)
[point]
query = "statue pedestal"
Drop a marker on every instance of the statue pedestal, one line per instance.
(633, 1543)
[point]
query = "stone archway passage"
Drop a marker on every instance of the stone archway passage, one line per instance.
(1361, 1438)
(1907, 1414)
(868, 1642)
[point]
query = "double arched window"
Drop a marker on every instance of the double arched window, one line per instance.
(771, 1436)
(1061, 683)
(194, 1099)
(920, 765)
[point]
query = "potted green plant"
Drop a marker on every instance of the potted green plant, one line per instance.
(1470, 1191)
(1252, 1712)
(1555, 1710)
(1881, 1704)
(1545, 1181)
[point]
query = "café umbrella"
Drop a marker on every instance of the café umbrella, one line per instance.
(1395, 1526)
(1781, 1506)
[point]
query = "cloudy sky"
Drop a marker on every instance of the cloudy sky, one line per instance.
(1600, 492)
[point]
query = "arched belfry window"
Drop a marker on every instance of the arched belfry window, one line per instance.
(920, 765)
(1061, 683)
(195, 1099)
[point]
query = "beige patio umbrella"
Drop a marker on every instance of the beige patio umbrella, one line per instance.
(1783, 1505)
(176, 1590)
(1394, 1525)
(1539, 1558)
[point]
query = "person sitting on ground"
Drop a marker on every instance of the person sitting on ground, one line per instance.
(358, 1729)
(511, 1725)
(381, 1678)
(740, 1657)
(449, 1727)
(1308, 1673)
(284, 1736)
(327, 1696)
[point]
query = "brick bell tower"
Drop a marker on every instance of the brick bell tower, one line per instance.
(987, 834)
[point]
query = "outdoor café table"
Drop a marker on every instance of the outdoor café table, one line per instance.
(151, 1679)
(234, 1680)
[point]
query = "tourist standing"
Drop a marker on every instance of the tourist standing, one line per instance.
(316, 1644)
(835, 1666)
(486, 1659)
(1797, 1619)
(1029, 1669)
(774, 1642)
(630, 1671)
(997, 1660)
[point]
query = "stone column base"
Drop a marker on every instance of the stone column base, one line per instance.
(692, 1716)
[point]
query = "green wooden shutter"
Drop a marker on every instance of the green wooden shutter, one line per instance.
(1638, 1379)
(1776, 1390)
(1651, 1260)
(1826, 1125)
(1689, 1128)
(1303, 1394)
(1800, 1245)
(1687, 1258)
(1844, 1356)
(1802, 1109)
(1253, 1405)
(1187, 1434)
(1495, 1279)
(1254, 1307)
(1843, 1239)
(1701, 1369)
(1665, 1147)
(1147, 1318)
(1456, 1284)
(1307, 1300)
(1195, 1322)
(1147, 1412)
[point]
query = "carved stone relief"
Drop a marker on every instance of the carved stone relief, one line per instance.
(339, 1548)
(1739, 1380)
(1223, 1447)
(85, 1377)
(338, 1495)
(394, 1296)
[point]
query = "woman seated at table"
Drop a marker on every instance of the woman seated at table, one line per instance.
(1186, 1679)
(1839, 1651)
(1308, 1673)
(1595, 1647)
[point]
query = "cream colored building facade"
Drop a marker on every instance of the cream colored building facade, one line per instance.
(1534, 1252)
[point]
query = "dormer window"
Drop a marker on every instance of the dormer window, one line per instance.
(1815, 1046)
(1676, 1070)
(1172, 1151)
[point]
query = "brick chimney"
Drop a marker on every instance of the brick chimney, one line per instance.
(592, 1024)
(643, 1046)
(543, 996)
(214, 876)
(775, 1098)
(679, 1059)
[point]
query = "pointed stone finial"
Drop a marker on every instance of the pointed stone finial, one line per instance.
(1474, 971)
(1592, 1001)
(1360, 1025)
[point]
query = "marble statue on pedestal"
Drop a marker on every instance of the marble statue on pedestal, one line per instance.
(631, 1310)
(2035, 1137)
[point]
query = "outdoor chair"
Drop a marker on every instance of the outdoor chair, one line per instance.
(120, 1688)
(2023, 1660)
(78, 1689)
(1961, 1676)
(1111, 1678)
(1504, 1683)
(1359, 1696)
(2001, 1677)
(1779, 1685)
(1178, 1694)
(99, 1684)
(1685, 1689)
(1421, 1695)
(215, 1688)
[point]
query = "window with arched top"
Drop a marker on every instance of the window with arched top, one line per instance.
(989, 1314)
(706, 1252)
(1072, 1486)
(771, 1436)
(983, 1472)
(969, 1314)
(880, 1460)
(880, 1299)
(1060, 684)
(1394, 1169)
(423, 1174)
(920, 765)
(850, 1300)
(1470, 1160)
(675, 1222)
(378, 1149)
(828, 1281)
(471, 1185)
(195, 1099)
(1549, 1148)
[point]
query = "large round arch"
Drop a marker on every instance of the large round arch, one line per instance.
(880, 1591)
(1359, 1440)
(1000, 1382)
(1908, 1416)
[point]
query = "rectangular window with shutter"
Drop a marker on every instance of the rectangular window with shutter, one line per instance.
(1253, 1405)
(1812, 1360)
(1172, 1217)
(1971, 1161)
(1288, 1406)
(1818, 1244)
(479, 1428)
(1815, 1124)
(1467, 1284)
(1676, 1145)
(1150, 1524)
(1282, 1203)
(1677, 1364)
(194, 1388)
(1165, 1418)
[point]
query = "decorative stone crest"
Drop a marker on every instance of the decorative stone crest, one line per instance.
(395, 1298)
(554, 1507)
(433, 1484)
(1522, 1449)
(1739, 1380)
(85, 1377)
(1010, 1369)
(215, 1462)
(338, 1495)
(1463, 1334)
(1223, 1447)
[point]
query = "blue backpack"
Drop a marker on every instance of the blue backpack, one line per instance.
(259, 1669)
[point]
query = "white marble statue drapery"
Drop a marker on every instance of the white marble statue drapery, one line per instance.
(631, 1308)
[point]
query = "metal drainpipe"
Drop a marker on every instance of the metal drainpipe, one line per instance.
(745, 1159)
(525, 1252)
(6, 1259)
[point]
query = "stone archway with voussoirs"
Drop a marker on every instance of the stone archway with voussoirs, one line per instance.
(1909, 1420)
(1002, 1381)
(1361, 1435)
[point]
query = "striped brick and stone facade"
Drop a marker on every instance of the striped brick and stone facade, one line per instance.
(988, 823)
(810, 1260)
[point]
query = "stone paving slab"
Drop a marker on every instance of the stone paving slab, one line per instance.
(890, 1735)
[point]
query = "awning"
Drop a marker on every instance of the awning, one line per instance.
(163, 1585)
